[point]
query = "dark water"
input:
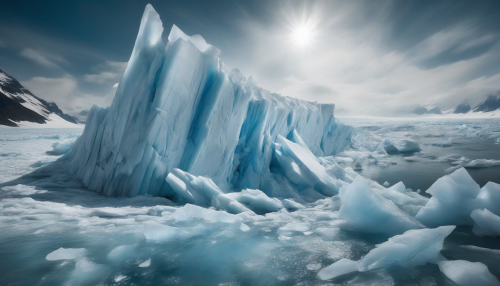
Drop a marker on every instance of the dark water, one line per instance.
(421, 175)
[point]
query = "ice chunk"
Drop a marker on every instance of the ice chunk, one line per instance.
(66, 253)
(257, 201)
(327, 233)
(368, 211)
(468, 273)
(302, 168)
(407, 200)
(314, 266)
(400, 145)
(120, 278)
(188, 212)
(412, 248)
(489, 198)
(341, 267)
(159, 232)
(62, 147)
(146, 263)
(386, 184)
(121, 252)
(294, 228)
(485, 223)
(229, 204)
(291, 205)
(185, 188)
(87, 270)
(453, 199)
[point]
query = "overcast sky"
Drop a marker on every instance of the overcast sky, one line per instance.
(367, 57)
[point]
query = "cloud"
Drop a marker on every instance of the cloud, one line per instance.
(51, 89)
(108, 71)
(65, 93)
(354, 64)
(101, 77)
(43, 59)
(2, 44)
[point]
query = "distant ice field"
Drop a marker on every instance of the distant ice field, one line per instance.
(444, 142)
(59, 233)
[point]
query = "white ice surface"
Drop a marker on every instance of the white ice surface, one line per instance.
(467, 273)
(367, 211)
(66, 253)
(414, 247)
(485, 223)
(453, 199)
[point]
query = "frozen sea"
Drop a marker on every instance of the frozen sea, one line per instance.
(104, 239)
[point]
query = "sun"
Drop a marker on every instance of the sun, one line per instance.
(302, 35)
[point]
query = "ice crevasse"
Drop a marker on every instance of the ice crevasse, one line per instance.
(177, 106)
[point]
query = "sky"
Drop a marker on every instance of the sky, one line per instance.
(368, 57)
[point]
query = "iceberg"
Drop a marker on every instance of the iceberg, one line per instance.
(453, 199)
(467, 273)
(178, 107)
(489, 198)
(400, 145)
(456, 199)
(485, 223)
(412, 248)
(367, 211)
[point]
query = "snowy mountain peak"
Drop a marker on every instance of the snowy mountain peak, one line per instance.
(18, 105)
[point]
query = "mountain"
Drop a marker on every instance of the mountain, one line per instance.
(422, 110)
(491, 103)
(463, 107)
(18, 104)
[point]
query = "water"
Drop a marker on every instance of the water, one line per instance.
(58, 212)
(478, 139)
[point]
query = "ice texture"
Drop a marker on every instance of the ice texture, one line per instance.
(179, 107)
(412, 248)
(367, 211)
(401, 145)
(453, 199)
(457, 199)
(489, 198)
(467, 273)
(66, 253)
(485, 223)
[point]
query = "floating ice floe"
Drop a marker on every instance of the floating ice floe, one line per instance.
(62, 147)
(399, 145)
(66, 253)
(456, 197)
(367, 211)
(412, 248)
(485, 223)
(453, 199)
(467, 273)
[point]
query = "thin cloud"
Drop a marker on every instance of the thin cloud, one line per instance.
(43, 59)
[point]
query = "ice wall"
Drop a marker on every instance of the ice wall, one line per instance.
(179, 107)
